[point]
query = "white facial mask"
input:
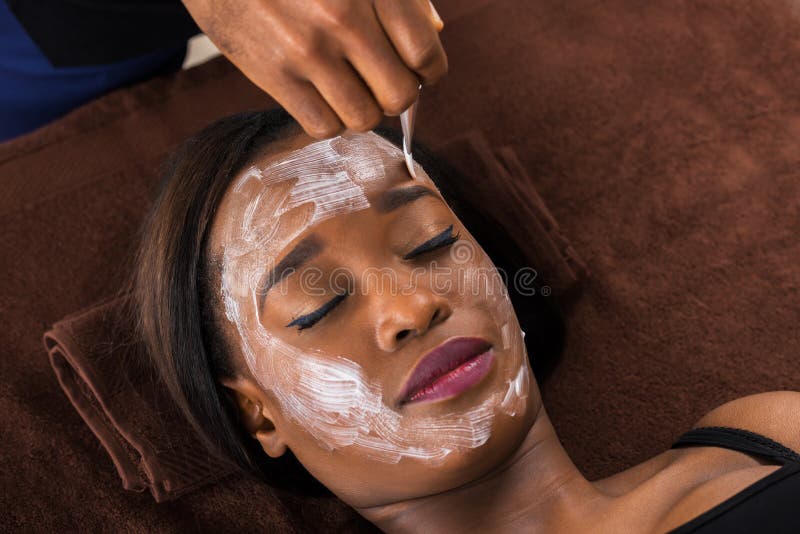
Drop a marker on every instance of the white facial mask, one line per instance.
(329, 395)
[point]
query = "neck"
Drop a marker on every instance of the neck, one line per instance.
(535, 490)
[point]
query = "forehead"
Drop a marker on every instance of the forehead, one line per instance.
(298, 182)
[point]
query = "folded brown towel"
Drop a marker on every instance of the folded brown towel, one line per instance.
(103, 370)
(102, 367)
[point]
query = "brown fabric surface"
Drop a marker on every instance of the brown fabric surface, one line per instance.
(102, 366)
(664, 136)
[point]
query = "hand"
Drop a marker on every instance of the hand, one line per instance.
(332, 64)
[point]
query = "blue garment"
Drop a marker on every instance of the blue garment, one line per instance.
(33, 92)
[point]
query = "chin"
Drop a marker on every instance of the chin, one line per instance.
(464, 466)
(379, 482)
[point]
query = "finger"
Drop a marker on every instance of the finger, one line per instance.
(346, 93)
(303, 102)
(438, 23)
(409, 26)
(392, 84)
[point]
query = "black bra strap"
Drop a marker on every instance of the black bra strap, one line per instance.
(738, 440)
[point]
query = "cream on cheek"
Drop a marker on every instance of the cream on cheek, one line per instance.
(329, 395)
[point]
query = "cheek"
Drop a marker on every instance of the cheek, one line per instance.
(473, 281)
(327, 395)
(483, 287)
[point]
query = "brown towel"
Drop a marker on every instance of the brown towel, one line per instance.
(102, 368)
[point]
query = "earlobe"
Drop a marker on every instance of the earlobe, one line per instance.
(271, 442)
(255, 416)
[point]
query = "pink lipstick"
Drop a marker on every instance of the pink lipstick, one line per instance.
(448, 370)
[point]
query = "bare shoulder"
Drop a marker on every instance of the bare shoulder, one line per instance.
(775, 414)
(710, 476)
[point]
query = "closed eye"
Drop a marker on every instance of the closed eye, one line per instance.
(310, 319)
(444, 239)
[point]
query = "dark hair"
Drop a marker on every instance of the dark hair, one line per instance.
(176, 304)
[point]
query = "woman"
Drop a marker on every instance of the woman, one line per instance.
(310, 298)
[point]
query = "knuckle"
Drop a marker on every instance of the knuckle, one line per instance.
(398, 101)
(323, 129)
(423, 55)
(437, 71)
(337, 15)
(303, 47)
(366, 122)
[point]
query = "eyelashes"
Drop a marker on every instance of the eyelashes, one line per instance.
(310, 319)
(444, 239)
(441, 240)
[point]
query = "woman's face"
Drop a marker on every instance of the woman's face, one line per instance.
(352, 291)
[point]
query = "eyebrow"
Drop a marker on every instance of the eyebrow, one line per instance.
(394, 198)
(306, 249)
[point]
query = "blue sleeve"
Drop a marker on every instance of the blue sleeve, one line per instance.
(33, 92)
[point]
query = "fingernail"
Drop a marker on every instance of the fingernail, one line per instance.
(437, 20)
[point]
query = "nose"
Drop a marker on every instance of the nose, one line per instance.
(405, 317)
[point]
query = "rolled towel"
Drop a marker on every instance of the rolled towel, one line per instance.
(103, 369)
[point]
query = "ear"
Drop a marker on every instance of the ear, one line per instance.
(255, 414)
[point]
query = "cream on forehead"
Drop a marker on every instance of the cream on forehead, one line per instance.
(329, 394)
(329, 177)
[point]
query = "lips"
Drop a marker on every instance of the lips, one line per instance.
(448, 370)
